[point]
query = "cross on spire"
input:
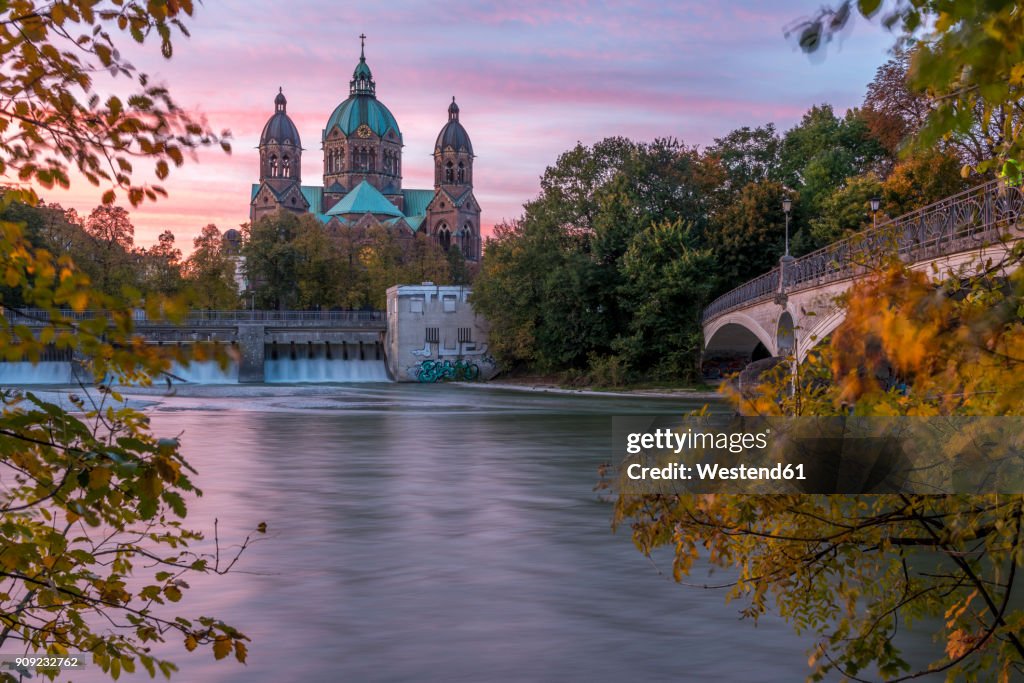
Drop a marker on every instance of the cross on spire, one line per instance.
(362, 46)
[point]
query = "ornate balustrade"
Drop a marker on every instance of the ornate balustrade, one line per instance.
(956, 224)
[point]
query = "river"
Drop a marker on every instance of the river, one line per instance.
(439, 533)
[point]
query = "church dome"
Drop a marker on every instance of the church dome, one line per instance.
(280, 128)
(362, 109)
(453, 134)
(362, 106)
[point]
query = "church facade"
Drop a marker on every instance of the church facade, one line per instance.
(362, 172)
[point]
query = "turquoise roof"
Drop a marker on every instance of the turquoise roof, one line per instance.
(313, 194)
(365, 198)
(360, 109)
(416, 201)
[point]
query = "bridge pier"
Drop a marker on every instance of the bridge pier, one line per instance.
(251, 340)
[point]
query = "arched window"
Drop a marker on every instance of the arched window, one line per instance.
(273, 165)
(448, 172)
(468, 240)
(286, 167)
(444, 236)
(462, 172)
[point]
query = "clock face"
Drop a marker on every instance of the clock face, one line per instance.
(364, 131)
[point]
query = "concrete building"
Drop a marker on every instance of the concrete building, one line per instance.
(433, 334)
(362, 172)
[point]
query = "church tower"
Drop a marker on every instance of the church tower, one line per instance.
(280, 165)
(361, 141)
(454, 214)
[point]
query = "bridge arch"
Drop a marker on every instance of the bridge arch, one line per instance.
(785, 336)
(736, 333)
(825, 326)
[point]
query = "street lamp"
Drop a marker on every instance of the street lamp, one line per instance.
(875, 203)
(787, 205)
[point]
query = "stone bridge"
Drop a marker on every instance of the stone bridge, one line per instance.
(792, 308)
(355, 334)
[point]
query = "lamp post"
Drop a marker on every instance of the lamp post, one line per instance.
(875, 203)
(787, 205)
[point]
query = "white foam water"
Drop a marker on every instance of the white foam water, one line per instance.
(283, 370)
(205, 372)
(19, 373)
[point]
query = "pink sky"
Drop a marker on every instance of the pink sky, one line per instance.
(532, 78)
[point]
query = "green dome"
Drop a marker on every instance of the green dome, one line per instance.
(360, 109)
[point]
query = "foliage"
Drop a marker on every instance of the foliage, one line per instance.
(854, 570)
(921, 179)
(91, 498)
(822, 151)
(210, 273)
(555, 285)
(846, 211)
(92, 542)
(56, 59)
(292, 261)
(668, 280)
(749, 233)
(967, 56)
(748, 156)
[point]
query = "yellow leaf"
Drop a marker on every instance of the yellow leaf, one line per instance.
(240, 651)
(190, 642)
(221, 647)
(79, 300)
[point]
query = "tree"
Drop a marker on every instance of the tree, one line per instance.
(846, 211)
(748, 155)
(853, 569)
(822, 151)
(52, 118)
(210, 272)
(90, 496)
(748, 235)
(160, 267)
(920, 180)
(967, 57)
(108, 254)
(272, 260)
(663, 267)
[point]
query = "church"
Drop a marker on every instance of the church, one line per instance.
(362, 178)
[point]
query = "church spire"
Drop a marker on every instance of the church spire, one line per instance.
(362, 79)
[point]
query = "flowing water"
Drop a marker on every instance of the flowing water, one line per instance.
(439, 533)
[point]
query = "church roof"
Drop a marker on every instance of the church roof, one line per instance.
(365, 198)
(279, 127)
(360, 109)
(416, 201)
(453, 134)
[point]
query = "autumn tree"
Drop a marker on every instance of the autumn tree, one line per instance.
(160, 267)
(210, 272)
(108, 256)
(93, 547)
(966, 57)
(855, 570)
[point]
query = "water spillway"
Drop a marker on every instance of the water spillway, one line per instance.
(322, 362)
(19, 373)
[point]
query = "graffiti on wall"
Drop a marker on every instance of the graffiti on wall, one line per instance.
(436, 371)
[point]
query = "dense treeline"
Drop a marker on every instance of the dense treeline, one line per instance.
(295, 262)
(102, 246)
(605, 273)
(284, 261)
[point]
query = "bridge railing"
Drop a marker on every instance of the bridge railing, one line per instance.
(958, 223)
(38, 317)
